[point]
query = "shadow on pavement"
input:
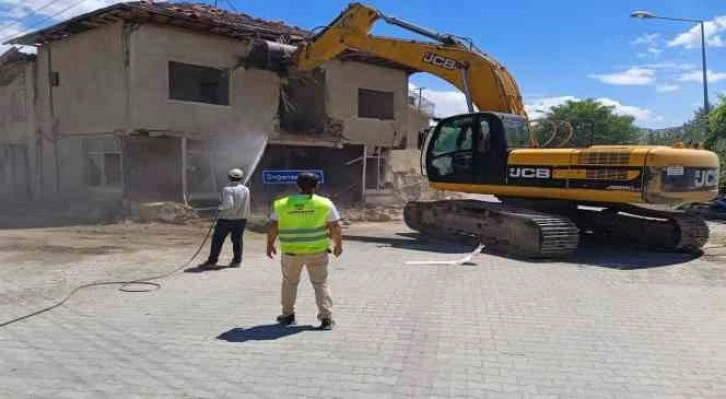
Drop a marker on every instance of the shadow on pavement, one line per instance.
(267, 332)
(591, 252)
(199, 269)
(626, 257)
(415, 242)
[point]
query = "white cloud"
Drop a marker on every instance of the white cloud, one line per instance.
(57, 10)
(632, 76)
(692, 37)
(10, 32)
(450, 102)
(667, 88)
(446, 102)
(537, 108)
(641, 115)
(697, 76)
(667, 65)
(23, 16)
(647, 39)
(654, 50)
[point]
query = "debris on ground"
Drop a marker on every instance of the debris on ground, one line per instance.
(711, 210)
(372, 215)
(166, 212)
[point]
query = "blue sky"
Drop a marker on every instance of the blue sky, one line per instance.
(556, 50)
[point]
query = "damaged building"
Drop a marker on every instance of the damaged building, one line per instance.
(142, 101)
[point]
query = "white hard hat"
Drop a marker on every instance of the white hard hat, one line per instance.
(236, 173)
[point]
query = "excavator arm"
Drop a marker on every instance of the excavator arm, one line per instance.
(484, 81)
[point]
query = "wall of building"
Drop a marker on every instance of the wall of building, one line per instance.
(343, 80)
(152, 169)
(90, 95)
(114, 80)
(417, 121)
(80, 93)
(17, 119)
(254, 94)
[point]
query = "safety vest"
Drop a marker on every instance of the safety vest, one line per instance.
(302, 223)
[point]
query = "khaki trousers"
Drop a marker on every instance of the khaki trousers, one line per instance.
(317, 267)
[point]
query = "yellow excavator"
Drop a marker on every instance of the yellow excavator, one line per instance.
(547, 197)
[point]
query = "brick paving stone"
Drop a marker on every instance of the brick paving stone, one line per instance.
(500, 328)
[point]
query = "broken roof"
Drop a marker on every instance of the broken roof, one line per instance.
(198, 17)
(15, 55)
(193, 16)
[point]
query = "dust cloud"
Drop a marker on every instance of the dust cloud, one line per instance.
(237, 146)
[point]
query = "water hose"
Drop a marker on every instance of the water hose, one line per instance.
(124, 283)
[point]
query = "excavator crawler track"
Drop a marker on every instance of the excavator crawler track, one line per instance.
(651, 229)
(515, 230)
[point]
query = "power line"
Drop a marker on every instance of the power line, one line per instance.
(231, 5)
(73, 5)
(17, 21)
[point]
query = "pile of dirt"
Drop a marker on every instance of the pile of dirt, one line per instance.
(166, 212)
(372, 215)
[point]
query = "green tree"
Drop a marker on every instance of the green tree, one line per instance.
(592, 123)
(692, 131)
(716, 136)
(717, 123)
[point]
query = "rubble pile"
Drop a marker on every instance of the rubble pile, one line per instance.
(372, 215)
(166, 212)
(407, 182)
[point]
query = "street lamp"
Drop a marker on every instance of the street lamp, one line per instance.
(650, 15)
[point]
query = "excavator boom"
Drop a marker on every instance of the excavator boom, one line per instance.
(541, 190)
(485, 82)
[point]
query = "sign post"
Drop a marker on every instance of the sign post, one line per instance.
(288, 176)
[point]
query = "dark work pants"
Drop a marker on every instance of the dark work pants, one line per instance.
(224, 227)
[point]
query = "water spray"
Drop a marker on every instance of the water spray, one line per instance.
(147, 284)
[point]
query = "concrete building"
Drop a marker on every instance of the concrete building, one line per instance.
(149, 101)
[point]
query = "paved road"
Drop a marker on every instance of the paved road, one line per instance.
(608, 324)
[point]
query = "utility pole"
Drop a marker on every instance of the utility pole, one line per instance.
(707, 106)
(420, 97)
(650, 15)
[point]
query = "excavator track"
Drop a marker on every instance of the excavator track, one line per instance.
(652, 229)
(515, 230)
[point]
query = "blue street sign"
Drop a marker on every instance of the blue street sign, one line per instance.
(287, 176)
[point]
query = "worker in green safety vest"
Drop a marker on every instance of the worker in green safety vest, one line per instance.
(304, 222)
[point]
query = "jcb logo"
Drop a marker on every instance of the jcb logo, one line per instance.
(705, 178)
(530, 173)
(439, 61)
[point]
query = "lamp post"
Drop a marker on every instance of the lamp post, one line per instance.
(650, 15)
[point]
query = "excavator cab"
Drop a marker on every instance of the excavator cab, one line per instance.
(472, 148)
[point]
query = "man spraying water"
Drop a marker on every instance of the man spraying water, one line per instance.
(233, 212)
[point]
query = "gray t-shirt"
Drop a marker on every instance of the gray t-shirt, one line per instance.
(235, 202)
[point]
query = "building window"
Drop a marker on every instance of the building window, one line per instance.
(198, 84)
(375, 104)
(103, 162)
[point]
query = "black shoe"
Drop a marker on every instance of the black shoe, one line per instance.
(208, 265)
(286, 320)
(235, 263)
(327, 324)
